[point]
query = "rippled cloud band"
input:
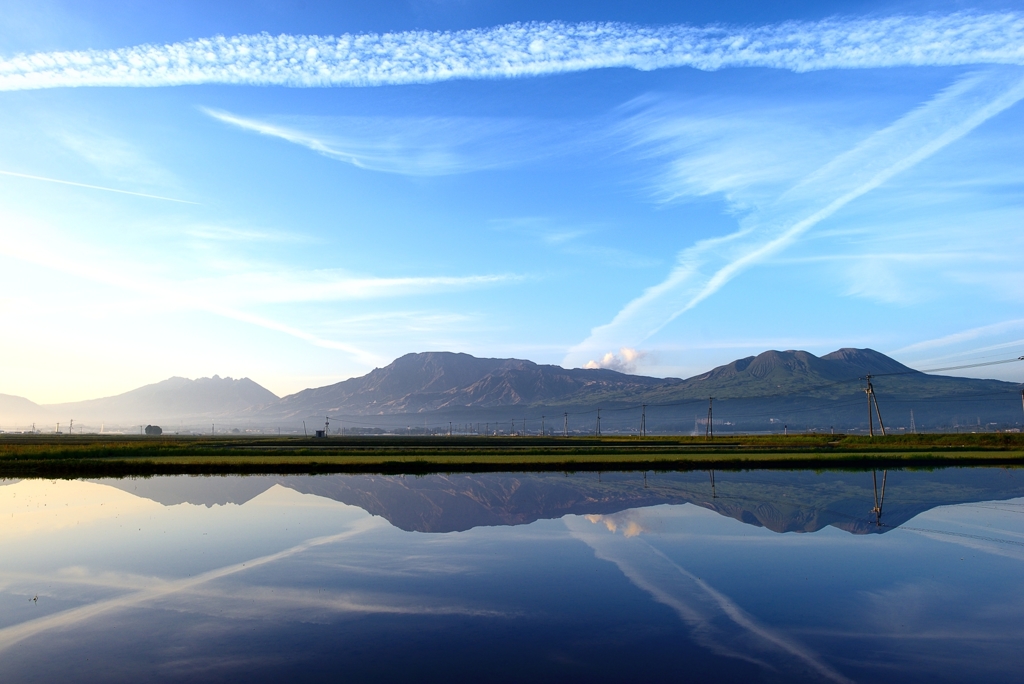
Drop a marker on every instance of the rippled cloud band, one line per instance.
(532, 49)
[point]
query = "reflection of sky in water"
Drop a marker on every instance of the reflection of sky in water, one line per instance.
(294, 585)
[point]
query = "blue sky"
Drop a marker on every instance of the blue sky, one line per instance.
(298, 192)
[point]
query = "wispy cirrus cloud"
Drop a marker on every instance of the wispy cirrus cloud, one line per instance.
(963, 336)
(772, 224)
(217, 233)
(289, 286)
(532, 49)
(414, 146)
(116, 158)
(232, 294)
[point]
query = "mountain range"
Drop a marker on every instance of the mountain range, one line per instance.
(427, 390)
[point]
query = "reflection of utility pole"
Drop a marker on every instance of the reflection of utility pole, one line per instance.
(709, 430)
(643, 425)
(645, 479)
(872, 399)
(879, 500)
(713, 494)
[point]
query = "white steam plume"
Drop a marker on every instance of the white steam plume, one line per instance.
(624, 362)
(532, 49)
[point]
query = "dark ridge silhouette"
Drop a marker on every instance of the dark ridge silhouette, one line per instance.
(432, 381)
(795, 387)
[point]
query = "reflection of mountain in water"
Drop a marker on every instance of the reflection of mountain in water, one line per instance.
(780, 501)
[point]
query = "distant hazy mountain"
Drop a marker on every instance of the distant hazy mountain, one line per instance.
(434, 381)
(172, 399)
(18, 413)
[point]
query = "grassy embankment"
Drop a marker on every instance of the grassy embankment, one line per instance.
(100, 455)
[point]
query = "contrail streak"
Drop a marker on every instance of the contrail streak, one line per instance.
(16, 633)
(706, 267)
(691, 597)
(94, 187)
(533, 49)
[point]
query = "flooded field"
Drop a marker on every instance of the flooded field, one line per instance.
(776, 576)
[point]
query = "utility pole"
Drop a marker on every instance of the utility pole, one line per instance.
(709, 429)
(449, 428)
(913, 426)
(565, 424)
(643, 426)
(542, 426)
(598, 422)
(879, 500)
(327, 426)
(872, 399)
(71, 429)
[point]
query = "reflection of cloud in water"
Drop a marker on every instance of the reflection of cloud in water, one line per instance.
(977, 535)
(702, 608)
(41, 507)
(162, 589)
(303, 605)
